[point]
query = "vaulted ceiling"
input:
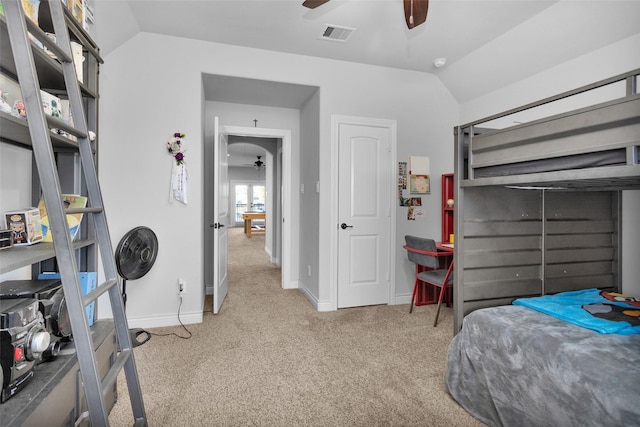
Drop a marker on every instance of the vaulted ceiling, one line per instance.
(487, 43)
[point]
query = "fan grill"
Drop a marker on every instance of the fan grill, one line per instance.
(136, 253)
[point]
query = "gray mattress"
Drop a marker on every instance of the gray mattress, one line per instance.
(578, 161)
(514, 366)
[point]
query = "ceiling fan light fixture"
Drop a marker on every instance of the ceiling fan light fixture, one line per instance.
(439, 62)
(258, 163)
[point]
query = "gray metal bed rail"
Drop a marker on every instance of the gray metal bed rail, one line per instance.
(598, 144)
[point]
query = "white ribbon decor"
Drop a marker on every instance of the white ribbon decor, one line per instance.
(179, 183)
(177, 147)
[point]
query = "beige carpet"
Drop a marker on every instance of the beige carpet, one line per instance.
(270, 359)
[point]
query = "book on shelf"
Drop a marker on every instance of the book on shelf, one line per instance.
(31, 8)
(73, 220)
(51, 104)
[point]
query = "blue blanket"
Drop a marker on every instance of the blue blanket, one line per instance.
(603, 312)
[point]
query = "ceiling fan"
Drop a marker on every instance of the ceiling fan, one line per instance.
(415, 11)
(258, 164)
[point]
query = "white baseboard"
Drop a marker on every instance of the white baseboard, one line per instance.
(162, 321)
(293, 284)
(401, 299)
(318, 305)
(312, 299)
(325, 306)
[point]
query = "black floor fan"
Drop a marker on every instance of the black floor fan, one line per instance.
(135, 255)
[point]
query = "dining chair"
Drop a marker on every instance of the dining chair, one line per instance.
(424, 254)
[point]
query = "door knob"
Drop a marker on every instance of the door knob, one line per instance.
(218, 225)
(345, 226)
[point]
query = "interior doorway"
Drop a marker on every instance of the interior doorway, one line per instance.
(281, 190)
(277, 193)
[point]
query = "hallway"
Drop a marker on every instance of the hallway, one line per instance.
(248, 266)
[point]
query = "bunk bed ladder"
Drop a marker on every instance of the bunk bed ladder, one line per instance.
(95, 388)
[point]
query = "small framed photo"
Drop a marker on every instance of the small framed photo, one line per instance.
(419, 184)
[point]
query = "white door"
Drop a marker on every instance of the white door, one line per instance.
(221, 219)
(364, 214)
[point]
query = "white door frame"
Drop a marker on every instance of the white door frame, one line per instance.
(336, 121)
(288, 281)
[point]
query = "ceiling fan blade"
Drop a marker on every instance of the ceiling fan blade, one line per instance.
(312, 4)
(415, 12)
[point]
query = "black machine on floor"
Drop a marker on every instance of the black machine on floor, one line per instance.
(34, 324)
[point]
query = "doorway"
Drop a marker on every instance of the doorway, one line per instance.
(280, 187)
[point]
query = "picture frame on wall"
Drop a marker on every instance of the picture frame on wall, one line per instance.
(419, 184)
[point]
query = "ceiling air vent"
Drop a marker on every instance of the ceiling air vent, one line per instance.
(337, 33)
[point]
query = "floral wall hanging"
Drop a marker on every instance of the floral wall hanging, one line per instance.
(177, 148)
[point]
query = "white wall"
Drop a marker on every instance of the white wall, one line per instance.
(151, 87)
(245, 175)
(309, 207)
(600, 64)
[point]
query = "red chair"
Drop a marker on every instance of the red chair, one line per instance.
(423, 253)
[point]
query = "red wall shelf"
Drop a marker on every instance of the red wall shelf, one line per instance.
(447, 211)
(429, 294)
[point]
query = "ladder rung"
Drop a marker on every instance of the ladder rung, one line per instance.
(48, 42)
(115, 369)
(59, 124)
(82, 38)
(93, 209)
(98, 291)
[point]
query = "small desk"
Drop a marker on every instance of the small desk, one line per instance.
(445, 247)
(428, 294)
(248, 217)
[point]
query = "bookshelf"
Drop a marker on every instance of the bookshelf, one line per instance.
(55, 395)
(448, 206)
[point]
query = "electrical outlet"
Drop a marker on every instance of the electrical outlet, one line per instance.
(182, 286)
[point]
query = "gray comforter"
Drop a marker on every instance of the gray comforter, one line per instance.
(514, 366)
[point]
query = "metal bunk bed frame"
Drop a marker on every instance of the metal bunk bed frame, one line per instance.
(565, 233)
